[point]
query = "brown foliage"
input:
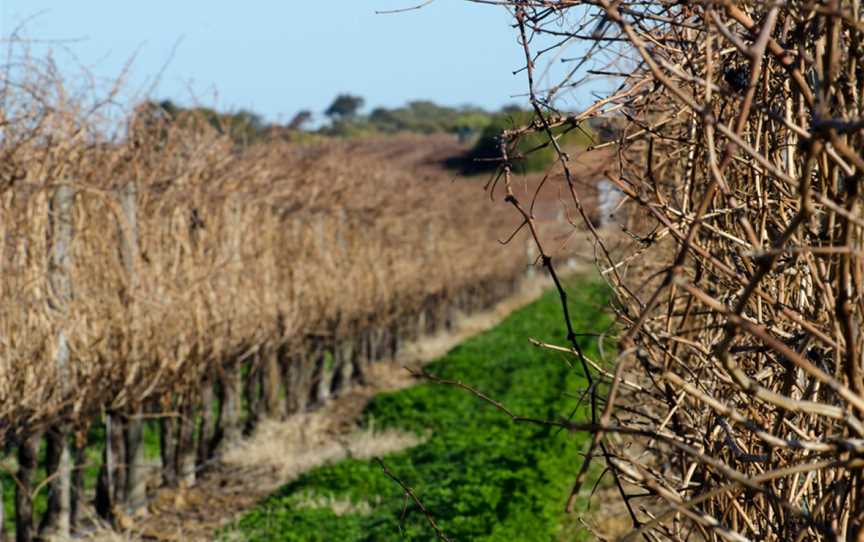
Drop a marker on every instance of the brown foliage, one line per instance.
(741, 299)
(237, 251)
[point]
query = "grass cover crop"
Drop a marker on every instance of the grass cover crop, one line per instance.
(481, 476)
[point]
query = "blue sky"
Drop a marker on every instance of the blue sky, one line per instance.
(277, 57)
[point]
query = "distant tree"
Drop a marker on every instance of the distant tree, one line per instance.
(529, 152)
(243, 126)
(511, 109)
(169, 107)
(302, 117)
(344, 107)
(385, 120)
(424, 116)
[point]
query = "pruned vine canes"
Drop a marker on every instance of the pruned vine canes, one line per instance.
(156, 276)
(740, 293)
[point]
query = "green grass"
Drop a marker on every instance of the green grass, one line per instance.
(482, 477)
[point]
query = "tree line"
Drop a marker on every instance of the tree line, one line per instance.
(475, 126)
